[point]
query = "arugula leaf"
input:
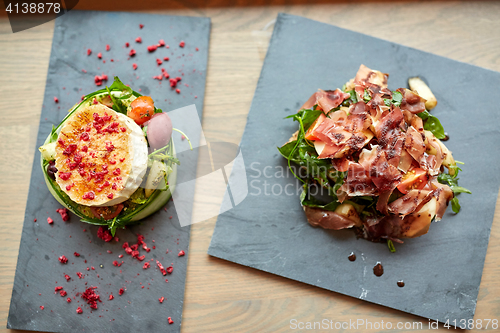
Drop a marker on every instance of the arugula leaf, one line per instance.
(432, 123)
(118, 105)
(452, 182)
(397, 97)
(306, 116)
(352, 100)
(455, 206)
(366, 96)
(307, 200)
(119, 85)
(158, 110)
(390, 244)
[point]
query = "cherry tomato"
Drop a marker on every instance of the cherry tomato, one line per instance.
(142, 109)
(414, 179)
(310, 132)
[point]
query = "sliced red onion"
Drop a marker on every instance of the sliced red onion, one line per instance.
(159, 130)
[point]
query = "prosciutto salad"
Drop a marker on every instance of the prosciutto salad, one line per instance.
(377, 159)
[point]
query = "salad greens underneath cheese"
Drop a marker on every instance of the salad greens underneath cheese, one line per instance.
(90, 183)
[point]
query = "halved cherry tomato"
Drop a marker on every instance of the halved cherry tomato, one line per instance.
(142, 110)
(415, 178)
(310, 132)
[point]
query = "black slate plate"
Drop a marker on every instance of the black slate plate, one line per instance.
(38, 268)
(268, 230)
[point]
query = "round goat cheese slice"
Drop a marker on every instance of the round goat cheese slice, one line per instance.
(101, 156)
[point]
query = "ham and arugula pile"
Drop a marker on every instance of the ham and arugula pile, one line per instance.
(373, 159)
(111, 161)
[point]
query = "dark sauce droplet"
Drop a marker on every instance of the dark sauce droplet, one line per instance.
(352, 257)
(378, 269)
(446, 137)
(401, 284)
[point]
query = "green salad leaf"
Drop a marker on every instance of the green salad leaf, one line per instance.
(432, 124)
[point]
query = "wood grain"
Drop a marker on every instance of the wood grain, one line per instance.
(221, 296)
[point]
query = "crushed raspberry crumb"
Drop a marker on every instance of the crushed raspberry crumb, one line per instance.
(89, 196)
(76, 254)
(134, 66)
(64, 213)
(120, 256)
(91, 297)
(161, 299)
(89, 52)
(141, 258)
(110, 196)
(125, 245)
(158, 62)
(127, 44)
(99, 79)
(111, 297)
(79, 310)
(197, 49)
(178, 90)
(79, 275)
(170, 269)
(67, 277)
(63, 293)
(49, 220)
(182, 43)
(152, 48)
(166, 58)
(181, 253)
(121, 291)
(108, 47)
(132, 53)
(99, 55)
(161, 42)
(34, 220)
(158, 77)
(56, 99)
(42, 307)
(170, 321)
(56, 289)
(63, 259)
(138, 40)
(162, 269)
(146, 265)
(104, 234)
(68, 300)
(141, 26)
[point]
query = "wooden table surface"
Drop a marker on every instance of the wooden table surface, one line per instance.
(222, 296)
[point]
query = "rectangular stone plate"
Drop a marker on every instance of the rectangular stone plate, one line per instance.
(71, 75)
(269, 231)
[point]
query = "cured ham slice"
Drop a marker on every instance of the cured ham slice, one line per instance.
(365, 75)
(443, 194)
(414, 144)
(326, 100)
(410, 202)
(411, 101)
(327, 219)
(358, 182)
